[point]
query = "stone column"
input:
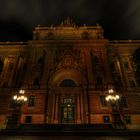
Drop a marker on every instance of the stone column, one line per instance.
(82, 107)
(52, 108)
(56, 109)
(49, 109)
(89, 70)
(27, 79)
(86, 107)
(78, 109)
(106, 69)
(3, 75)
(121, 70)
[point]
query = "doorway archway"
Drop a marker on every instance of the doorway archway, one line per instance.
(65, 99)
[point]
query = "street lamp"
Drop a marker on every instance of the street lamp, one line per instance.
(18, 100)
(113, 98)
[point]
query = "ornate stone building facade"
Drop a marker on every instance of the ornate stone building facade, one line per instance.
(66, 72)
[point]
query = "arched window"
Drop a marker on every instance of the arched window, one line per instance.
(67, 83)
(95, 59)
(36, 83)
(99, 81)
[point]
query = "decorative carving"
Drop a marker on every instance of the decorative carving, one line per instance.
(69, 60)
(50, 35)
(36, 35)
(99, 34)
(85, 35)
(67, 23)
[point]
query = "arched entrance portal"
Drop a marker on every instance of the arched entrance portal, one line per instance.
(67, 98)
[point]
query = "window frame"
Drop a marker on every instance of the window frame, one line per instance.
(128, 119)
(33, 102)
(103, 102)
(26, 120)
(108, 119)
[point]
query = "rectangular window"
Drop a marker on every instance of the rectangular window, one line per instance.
(99, 81)
(127, 119)
(106, 119)
(126, 66)
(122, 102)
(95, 59)
(132, 83)
(103, 101)
(36, 84)
(31, 102)
(28, 119)
(112, 66)
(12, 104)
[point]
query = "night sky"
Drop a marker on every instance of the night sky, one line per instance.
(120, 19)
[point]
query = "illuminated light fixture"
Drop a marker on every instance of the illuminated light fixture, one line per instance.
(20, 97)
(112, 96)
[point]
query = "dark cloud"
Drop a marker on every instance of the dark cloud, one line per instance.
(119, 18)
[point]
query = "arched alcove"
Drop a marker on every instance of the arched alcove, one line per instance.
(68, 75)
(66, 96)
(67, 83)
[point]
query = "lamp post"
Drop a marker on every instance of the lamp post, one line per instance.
(113, 98)
(18, 100)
